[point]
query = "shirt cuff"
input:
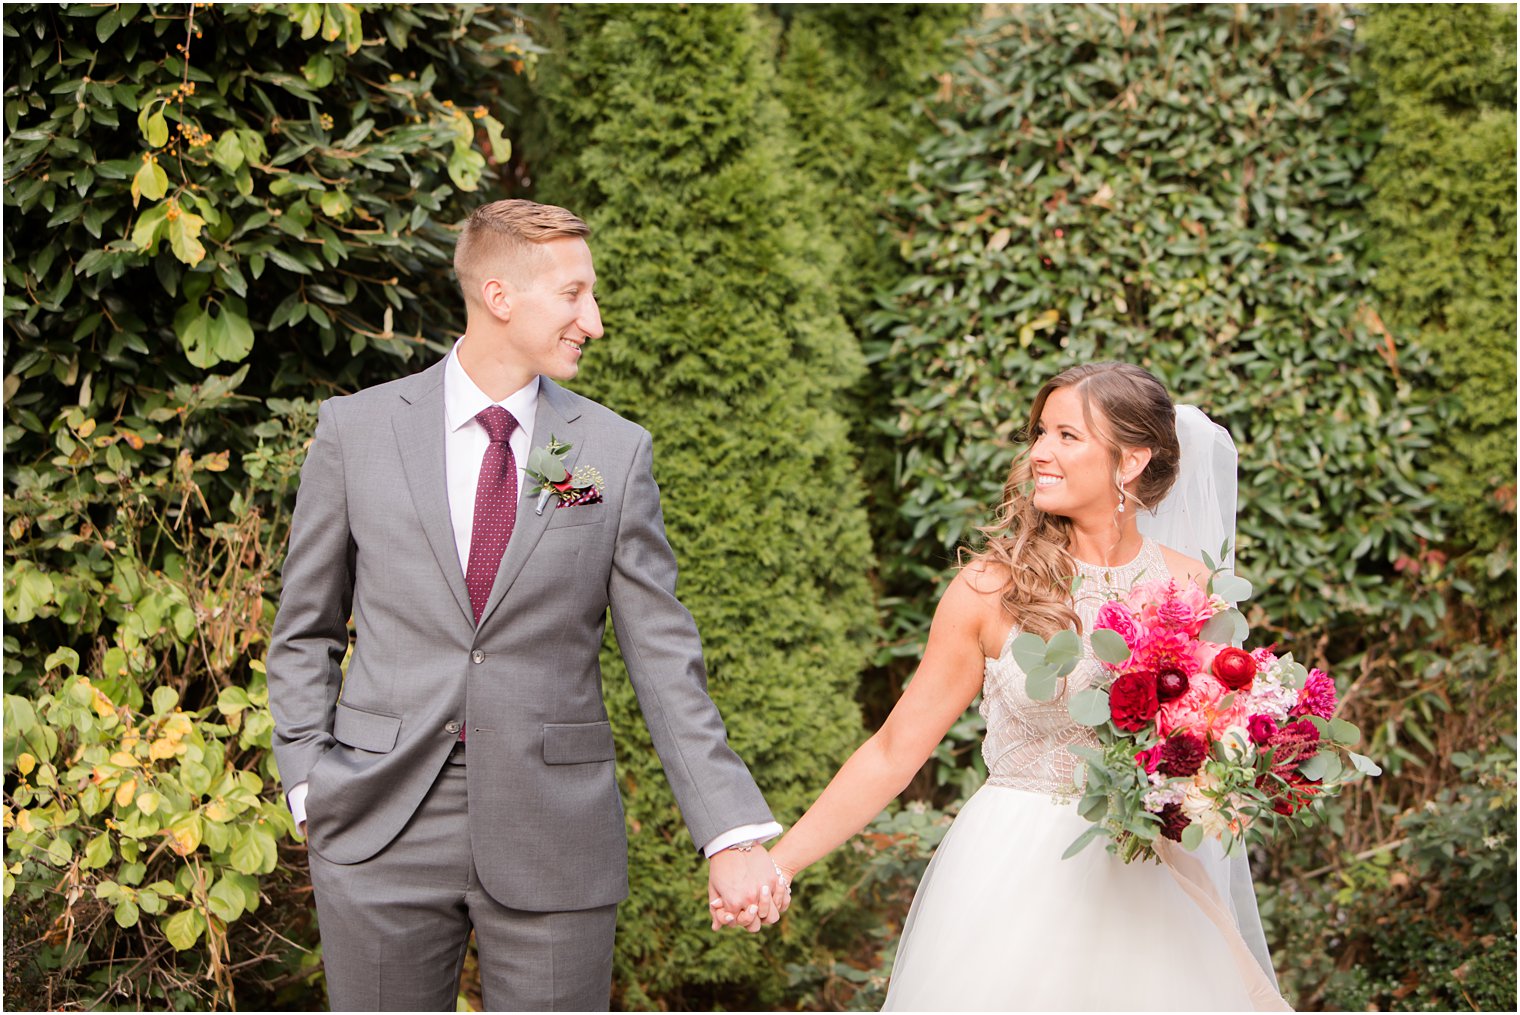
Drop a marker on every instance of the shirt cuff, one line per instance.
(296, 798)
(764, 833)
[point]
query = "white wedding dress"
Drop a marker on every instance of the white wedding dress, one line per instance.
(1002, 923)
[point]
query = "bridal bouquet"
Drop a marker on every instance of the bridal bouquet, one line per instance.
(1197, 737)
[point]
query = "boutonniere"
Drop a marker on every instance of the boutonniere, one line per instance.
(546, 471)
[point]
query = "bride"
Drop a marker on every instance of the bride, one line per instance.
(1000, 921)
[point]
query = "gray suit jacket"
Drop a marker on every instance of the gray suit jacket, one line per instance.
(372, 538)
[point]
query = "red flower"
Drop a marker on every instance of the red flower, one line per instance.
(1288, 793)
(1171, 684)
(1132, 700)
(1235, 668)
(1261, 728)
(1182, 754)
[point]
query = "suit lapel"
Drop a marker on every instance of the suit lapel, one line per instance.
(555, 417)
(420, 428)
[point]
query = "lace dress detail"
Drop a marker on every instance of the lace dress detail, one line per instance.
(1028, 742)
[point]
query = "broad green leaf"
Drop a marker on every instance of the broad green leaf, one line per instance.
(1343, 732)
(62, 657)
(1065, 648)
(158, 130)
(1232, 588)
(501, 148)
(150, 181)
(1029, 651)
(1364, 764)
(1224, 628)
(184, 237)
(1093, 806)
(232, 700)
(1040, 683)
(231, 334)
(226, 900)
(1192, 836)
(184, 928)
(228, 151)
(126, 913)
(150, 227)
(98, 852)
(164, 700)
(1110, 647)
(1089, 707)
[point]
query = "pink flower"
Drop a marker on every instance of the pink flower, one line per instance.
(1116, 617)
(1202, 710)
(1149, 759)
(1178, 607)
(1160, 649)
(1261, 729)
(1317, 696)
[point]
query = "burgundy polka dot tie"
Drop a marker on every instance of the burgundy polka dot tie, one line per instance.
(495, 506)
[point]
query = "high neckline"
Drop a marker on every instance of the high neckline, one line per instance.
(1140, 553)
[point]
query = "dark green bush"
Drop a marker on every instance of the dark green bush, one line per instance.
(1178, 187)
(1440, 84)
(215, 217)
(725, 340)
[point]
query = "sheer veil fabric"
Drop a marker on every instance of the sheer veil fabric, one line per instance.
(1197, 517)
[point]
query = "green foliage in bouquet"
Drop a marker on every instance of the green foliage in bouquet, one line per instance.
(215, 216)
(724, 339)
(1179, 187)
(1440, 83)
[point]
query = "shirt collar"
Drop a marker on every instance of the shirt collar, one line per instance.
(463, 400)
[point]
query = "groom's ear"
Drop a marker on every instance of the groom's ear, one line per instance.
(497, 299)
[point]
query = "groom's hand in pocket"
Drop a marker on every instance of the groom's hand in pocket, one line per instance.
(744, 890)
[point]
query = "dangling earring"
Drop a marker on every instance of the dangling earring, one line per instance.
(1122, 495)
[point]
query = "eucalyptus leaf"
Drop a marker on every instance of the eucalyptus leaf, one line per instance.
(1028, 651)
(1089, 707)
(1040, 683)
(1192, 836)
(1081, 842)
(1232, 588)
(1065, 649)
(1110, 647)
(1364, 764)
(1343, 732)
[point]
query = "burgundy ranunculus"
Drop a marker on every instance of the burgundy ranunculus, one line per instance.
(1171, 684)
(1182, 754)
(1235, 668)
(1261, 728)
(1173, 821)
(1132, 700)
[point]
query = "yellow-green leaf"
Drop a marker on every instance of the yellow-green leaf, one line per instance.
(184, 928)
(126, 913)
(184, 233)
(158, 130)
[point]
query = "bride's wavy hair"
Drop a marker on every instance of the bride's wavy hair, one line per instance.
(1032, 546)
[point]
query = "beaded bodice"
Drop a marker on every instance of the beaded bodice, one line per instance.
(1027, 743)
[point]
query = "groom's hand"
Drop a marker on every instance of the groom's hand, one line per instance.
(744, 890)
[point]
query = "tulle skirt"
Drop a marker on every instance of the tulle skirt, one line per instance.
(1002, 923)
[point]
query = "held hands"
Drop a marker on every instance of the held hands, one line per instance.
(745, 889)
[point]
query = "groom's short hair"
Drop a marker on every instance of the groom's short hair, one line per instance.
(501, 239)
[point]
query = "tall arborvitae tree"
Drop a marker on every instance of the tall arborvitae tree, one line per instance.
(1442, 83)
(724, 338)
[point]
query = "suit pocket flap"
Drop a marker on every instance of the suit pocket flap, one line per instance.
(577, 743)
(368, 731)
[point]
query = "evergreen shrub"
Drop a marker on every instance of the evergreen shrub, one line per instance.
(1440, 82)
(724, 339)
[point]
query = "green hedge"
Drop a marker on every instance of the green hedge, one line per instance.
(1441, 84)
(215, 217)
(1178, 187)
(725, 340)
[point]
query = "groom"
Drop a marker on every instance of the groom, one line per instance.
(459, 775)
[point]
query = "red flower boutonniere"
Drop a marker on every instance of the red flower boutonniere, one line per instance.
(549, 477)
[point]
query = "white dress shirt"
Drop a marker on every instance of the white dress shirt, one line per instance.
(465, 443)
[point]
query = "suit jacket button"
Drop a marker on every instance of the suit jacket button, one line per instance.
(477, 657)
(451, 727)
